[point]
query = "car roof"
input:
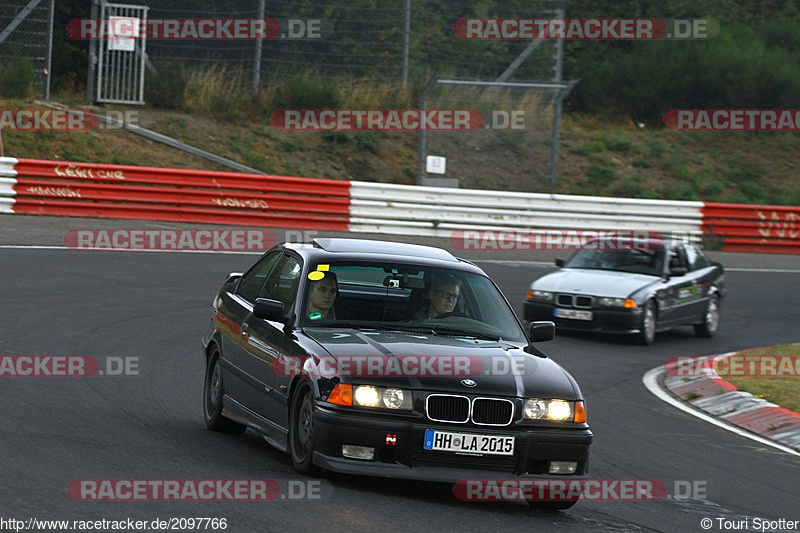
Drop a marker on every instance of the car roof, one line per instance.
(333, 249)
(652, 243)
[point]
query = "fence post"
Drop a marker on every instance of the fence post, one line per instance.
(421, 146)
(259, 46)
(406, 38)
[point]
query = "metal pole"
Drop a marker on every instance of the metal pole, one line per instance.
(259, 45)
(533, 45)
(92, 61)
(16, 21)
(406, 38)
(557, 108)
(49, 51)
(421, 148)
(556, 133)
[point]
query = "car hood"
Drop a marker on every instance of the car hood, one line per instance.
(594, 282)
(498, 368)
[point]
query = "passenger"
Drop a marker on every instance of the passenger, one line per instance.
(443, 297)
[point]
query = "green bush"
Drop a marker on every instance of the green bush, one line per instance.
(16, 79)
(619, 145)
(601, 176)
(743, 67)
(309, 91)
(336, 137)
(165, 87)
(366, 140)
(589, 148)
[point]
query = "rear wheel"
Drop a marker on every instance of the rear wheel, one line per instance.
(212, 399)
(301, 432)
(710, 318)
(647, 330)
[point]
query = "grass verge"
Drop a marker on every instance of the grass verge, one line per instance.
(783, 391)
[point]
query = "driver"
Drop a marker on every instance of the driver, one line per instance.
(323, 294)
(443, 297)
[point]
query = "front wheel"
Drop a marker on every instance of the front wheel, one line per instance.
(212, 400)
(710, 318)
(301, 432)
(647, 330)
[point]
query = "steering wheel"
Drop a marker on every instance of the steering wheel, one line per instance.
(452, 314)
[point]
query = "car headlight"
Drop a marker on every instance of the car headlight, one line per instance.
(627, 303)
(382, 397)
(553, 410)
(542, 296)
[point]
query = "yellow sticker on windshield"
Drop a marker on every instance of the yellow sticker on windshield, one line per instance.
(316, 275)
(323, 267)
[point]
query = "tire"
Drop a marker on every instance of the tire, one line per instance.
(212, 400)
(301, 429)
(710, 318)
(647, 333)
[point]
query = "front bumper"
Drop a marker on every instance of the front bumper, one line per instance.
(405, 458)
(610, 320)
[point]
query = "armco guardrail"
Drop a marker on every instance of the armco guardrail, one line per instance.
(753, 228)
(7, 182)
(431, 211)
(114, 191)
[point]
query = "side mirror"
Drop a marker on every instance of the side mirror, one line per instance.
(542, 331)
(560, 261)
(677, 271)
(233, 276)
(269, 309)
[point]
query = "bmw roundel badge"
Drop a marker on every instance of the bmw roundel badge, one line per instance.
(469, 382)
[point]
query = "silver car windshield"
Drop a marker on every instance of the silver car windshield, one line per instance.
(650, 262)
(408, 297)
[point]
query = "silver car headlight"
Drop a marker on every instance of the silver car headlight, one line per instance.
(612, 302)
(541, 296)
(382, 397)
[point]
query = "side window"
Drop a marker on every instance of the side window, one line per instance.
(676, 258)
(697, 259)
(283, 282)
(251, 284)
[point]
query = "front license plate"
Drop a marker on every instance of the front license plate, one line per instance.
(448, 441)
(572, 313)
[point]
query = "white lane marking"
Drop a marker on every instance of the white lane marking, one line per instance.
(550, 263)
(38, 247)
(650, 380)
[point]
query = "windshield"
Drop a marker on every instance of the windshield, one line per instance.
(408, 298)
(650, 262)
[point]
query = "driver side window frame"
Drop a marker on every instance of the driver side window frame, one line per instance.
(264, 266)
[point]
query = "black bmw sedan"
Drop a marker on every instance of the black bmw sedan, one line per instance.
(640, 290)
(393, 360)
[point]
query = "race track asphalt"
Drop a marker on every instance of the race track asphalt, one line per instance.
(156, 306)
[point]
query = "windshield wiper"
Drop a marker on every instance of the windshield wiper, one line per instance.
(365, 325)
(463, 333)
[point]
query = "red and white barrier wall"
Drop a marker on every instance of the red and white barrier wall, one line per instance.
(115, 191)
